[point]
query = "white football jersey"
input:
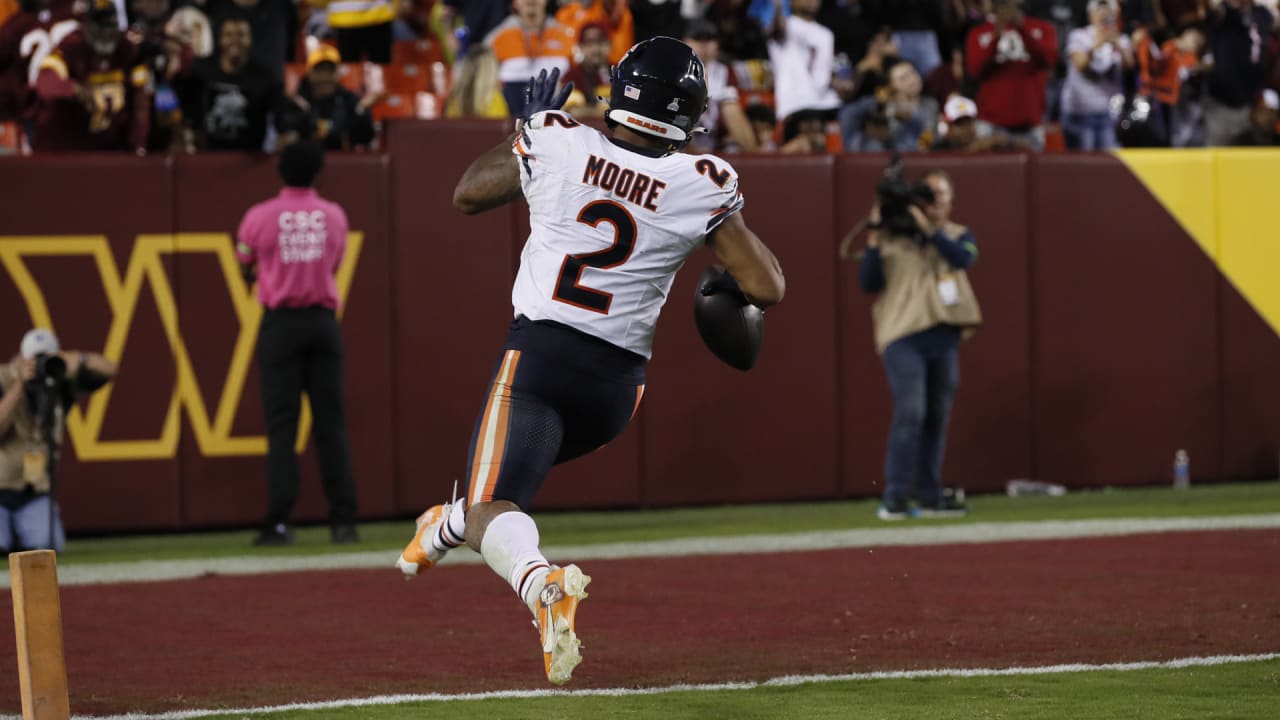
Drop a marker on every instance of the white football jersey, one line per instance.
(610, 227)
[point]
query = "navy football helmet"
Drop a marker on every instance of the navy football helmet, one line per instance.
(659, 89)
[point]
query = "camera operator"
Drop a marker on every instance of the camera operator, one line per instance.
(36, 389)
(915, 262)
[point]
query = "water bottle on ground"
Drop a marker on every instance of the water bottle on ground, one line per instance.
(1023, 486)
(1181, 470)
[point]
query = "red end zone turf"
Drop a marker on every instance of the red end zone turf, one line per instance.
(273, 639)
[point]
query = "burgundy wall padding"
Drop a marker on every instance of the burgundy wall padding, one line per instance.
(99, 195)
(714, 434)
(990, 433)
(213, 193)
(1126, 334)
(451, 302)
(1250, 391)
(1109, 342)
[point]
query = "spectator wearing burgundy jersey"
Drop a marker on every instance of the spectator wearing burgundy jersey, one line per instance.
(1237, 54)
(228, 102)
(26, 37)
(94, 92)
(1010, 58)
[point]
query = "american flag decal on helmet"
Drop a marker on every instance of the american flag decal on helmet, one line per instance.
(632, 92)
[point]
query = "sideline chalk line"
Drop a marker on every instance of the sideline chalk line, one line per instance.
(783, 681)
(158, 570)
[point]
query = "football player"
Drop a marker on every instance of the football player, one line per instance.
(94, 90)
(613, 216)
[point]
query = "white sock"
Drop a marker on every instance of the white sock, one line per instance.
(510, 547)
(452, 532)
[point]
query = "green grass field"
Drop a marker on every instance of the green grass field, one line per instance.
(1240, 691)
(583, 528)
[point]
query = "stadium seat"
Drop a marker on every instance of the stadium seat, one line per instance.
(756, 97)
(407, 78)
(12, 141)
(1054, 140)
(422, 105)
(352, 77)
(422, 51)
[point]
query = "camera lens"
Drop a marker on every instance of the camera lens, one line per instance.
(51, 367)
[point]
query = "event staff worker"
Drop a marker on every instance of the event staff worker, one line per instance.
(294, 243)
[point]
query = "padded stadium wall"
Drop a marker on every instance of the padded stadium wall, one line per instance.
(1129, 313)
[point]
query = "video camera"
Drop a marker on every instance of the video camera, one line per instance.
(896, 195)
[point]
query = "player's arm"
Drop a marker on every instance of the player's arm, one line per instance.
(493, 180)
(753, 265)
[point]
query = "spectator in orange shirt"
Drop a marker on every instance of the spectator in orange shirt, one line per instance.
(7, 8)
(526, 43)
(614, 15)
(1170, 76)
(590, 77)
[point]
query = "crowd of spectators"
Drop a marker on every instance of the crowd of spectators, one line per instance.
(794, 76)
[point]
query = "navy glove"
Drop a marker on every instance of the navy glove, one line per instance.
(722, 282)
(540, 94)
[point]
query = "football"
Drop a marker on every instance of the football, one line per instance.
(731, 327)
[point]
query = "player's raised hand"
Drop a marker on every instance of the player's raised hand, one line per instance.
(540, 94)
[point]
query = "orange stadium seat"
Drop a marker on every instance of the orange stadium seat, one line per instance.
(352, 77)
(422, 51)
(11, 139)
(1054, 140)
(756, 97)
(407, 78)
(422, 105)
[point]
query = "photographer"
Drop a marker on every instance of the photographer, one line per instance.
(915, 261)
(36, 389)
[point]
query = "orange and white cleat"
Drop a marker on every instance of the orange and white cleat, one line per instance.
(557, 605)
(419, 555)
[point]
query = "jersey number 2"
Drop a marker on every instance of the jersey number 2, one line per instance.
(568, 290)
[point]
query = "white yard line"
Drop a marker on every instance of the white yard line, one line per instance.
(788, 680)
(901, 535)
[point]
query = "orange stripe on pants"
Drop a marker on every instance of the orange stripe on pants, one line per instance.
(639, 394)
(491, 439)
